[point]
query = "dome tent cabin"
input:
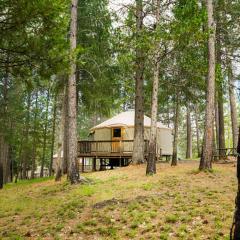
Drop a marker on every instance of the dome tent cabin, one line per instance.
(112, 140)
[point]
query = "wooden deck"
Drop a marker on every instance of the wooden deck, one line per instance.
(107, 149)
(101, 155)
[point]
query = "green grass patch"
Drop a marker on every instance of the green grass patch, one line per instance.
(172, 218)
(176, 203)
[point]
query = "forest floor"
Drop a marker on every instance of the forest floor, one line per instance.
(176, 203)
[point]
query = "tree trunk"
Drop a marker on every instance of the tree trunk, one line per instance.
(221, 136)
(189, 135)
(138, 145)
(233, 104)
(11, 161)
(221, 123)
(1, 175)
(151, 163)
(73, 175)
(235, 230)
(26, 141)
(4, 146)
(175, 137)
(216, 124)
(65, 135)
(60, 139)
(53, 134)
(168, 116)
(59, 155)
(45, 137)
(214, 141)
(4, 159)
(206, 158)
(34, 137)
(197, 133)
(19, 163)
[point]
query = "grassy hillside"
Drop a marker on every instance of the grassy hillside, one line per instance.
(177, 203)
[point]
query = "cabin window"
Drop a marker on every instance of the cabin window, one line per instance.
(117, 132)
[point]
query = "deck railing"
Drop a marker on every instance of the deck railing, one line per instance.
(114, 146)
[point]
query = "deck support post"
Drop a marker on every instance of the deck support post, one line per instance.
(94, 164)
(111, 163)
(83, 164)
(101, 164)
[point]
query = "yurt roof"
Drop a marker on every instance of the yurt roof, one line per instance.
(125, 119)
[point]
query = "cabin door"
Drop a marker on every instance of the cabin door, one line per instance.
(116, 138)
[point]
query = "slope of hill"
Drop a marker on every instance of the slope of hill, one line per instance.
(177, 203)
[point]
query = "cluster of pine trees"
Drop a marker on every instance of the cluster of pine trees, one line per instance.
(65, 65)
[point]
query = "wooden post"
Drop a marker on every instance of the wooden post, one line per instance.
(101, 167)
(94, 164)
(110, 163)
(83, 164)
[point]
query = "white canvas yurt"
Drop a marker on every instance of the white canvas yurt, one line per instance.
(121, 127)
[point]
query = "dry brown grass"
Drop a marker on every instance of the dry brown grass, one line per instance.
(176, 203)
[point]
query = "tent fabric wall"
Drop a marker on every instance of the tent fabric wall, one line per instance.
(129, 133)
(165, 141)
(125, 121)
(164, 137)
(103, 134)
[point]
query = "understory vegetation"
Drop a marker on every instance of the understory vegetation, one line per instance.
(176, 203)
(66, 66)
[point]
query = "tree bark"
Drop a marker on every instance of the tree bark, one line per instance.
(189, 135)
(53, 133)
(175, 137)
(214, 141)
(138, 144)
(60, 139)
(11, 162)
(168, 116)
(233, 104)
(221, 123)
(1, 175)
(216, 124)
(221, 135)
(59, 154)
(207, 151)
(34, 137)
(73, 175)
(151, 163)
(4, 159)
(235, 230)
(45, 136)
(19, 163)
(26, 141)
(65, 134)
(4, 146)
(197, 133)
